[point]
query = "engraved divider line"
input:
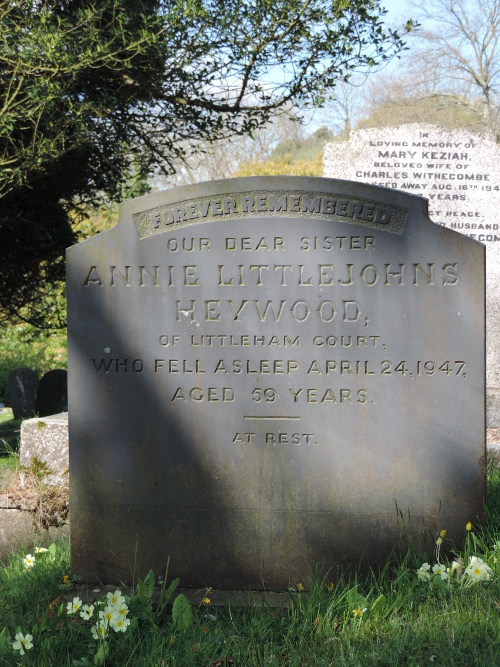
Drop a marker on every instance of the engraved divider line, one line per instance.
(259, 417)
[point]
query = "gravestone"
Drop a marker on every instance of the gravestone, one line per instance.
(458, 172)
(262, 373)
(47, 440)
(52, 395)
(22, 384)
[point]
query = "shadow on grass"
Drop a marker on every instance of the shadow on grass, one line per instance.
(10, 433)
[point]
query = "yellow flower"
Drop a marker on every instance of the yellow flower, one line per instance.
(442, 533)
(358, 612)
(439, 541)
(300, 586)
(206, 601)
(66, 578)
(468, 526)
(330, 587)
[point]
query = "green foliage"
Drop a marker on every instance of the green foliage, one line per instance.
(95, 97)
(23, 345)
(302, 148)
(38, 468)
(398, 108)
(145, 589)
(295, 156)
(182, 614)
(285, 167)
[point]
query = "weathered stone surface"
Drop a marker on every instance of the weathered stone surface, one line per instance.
(47, 439)
(261, 371)
(22, 384)
(52, 395)
(17, 531)
(458, 171)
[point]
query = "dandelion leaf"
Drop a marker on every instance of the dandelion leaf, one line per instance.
(182, 613)
(379, 605)
(102, 652)
(167, 594)
(145, 588)
(171, 589)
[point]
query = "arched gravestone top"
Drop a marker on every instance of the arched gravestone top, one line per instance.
(457, 171)
(260, 370)
(52, 395)
(22, 384)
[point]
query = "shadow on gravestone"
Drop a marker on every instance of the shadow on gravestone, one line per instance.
(22, 384)
(52, 395)
(260, 387)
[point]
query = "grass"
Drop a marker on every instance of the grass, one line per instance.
(10, 432)
(9, 446)
(384, 619)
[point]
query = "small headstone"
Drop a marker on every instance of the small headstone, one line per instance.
(22, 383)
(52, 395)
(47, 440)
(265, 372)
(458, 172)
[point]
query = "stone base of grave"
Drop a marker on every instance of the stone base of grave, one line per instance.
(17, 530)
(218, 598)
(492, 407)
(46, 439)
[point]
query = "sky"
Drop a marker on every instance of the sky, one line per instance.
(397, 8)
(398, 12)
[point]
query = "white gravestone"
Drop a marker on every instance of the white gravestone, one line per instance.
(458, 172)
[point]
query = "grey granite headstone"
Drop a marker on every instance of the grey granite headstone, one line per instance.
(458, 172)
(52, 395)
(261, 371)
(22, 384)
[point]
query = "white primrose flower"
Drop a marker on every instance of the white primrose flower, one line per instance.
(115, 599)
(423, 572)
(108, 615)
(73, 607)
(122, 610)
(29, 561)
(87, 611)
(22, 642)
(40, 550)
(440, 571)
(120, 624)
(99, 631)
(477, 570)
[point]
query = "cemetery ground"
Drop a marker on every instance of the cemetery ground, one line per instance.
(9, 436)
(436, 608)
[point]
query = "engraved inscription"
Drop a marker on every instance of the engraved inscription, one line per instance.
(205, 358)
(326, 206)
